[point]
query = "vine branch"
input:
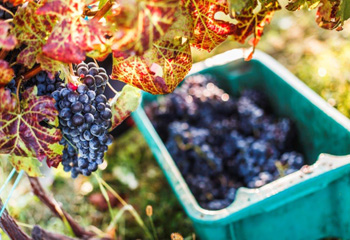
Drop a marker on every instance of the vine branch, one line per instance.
(100, 13)
(56, 209)
(10, 227)
(31, 73)
(40, 234)
(3, 54)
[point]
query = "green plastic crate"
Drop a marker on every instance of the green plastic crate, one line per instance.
(312, 203)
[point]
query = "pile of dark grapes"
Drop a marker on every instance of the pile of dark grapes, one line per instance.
(84, 118)
(220, 143)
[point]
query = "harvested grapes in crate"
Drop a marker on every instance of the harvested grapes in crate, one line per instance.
(221, 143)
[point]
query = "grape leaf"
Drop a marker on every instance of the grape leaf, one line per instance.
(72, 36)
(141, 23)
(236, 6)
(31, 29)
(7, 41)
(52, 66)
(123, 104)
(299, 4)
(17, 2)
(331, 14)
(21, 133)
(208, 32)
(60, 8)
(251, 21)
(6, 73)
(29, 164)
(162, 67)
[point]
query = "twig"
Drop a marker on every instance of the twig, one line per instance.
(6, 10)
(17, 94)
(71, 69)
(31, 73)
(10, 227)
(103, 10)
(112, 88)
(40, 234)
(3, 54)
(38, 190)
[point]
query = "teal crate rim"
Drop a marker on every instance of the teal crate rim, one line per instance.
(289, 187)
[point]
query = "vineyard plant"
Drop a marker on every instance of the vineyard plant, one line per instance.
(53, 107)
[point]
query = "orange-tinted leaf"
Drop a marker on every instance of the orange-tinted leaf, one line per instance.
(326, 16)
(17, 2)
(253, 22)
(209, 32)
(141, 23)
(123, 104)
(6, 73)
(31, 29)
(21, 133)
(299, 4)
(72, 38)
(331, 14)
(7, 41)
(162, 67)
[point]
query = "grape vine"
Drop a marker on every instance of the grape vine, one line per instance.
(53, 106)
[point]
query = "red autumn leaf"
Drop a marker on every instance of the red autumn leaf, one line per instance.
(31, 29)
(6, 73)
(7, 41)
(208, 32)
(253, 22)
(61, 7)
(21, 133)
(72, 38)
(162, 67)
(141, 23)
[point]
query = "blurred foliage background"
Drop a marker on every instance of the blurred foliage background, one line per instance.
(318, 57)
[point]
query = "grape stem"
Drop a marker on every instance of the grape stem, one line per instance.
(71, 69)
(112, 88)
(3, 54)
(100, 13)
(17, 94)
(6, 10)
(31, 73)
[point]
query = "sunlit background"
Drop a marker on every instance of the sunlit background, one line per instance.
(318, 57)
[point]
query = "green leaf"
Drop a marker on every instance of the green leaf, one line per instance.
(124, 104)
(294, 5)
(30, 165)
(236, 6)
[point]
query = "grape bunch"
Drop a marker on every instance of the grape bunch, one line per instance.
(221, 143)
(45, 84)
(84, 118)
